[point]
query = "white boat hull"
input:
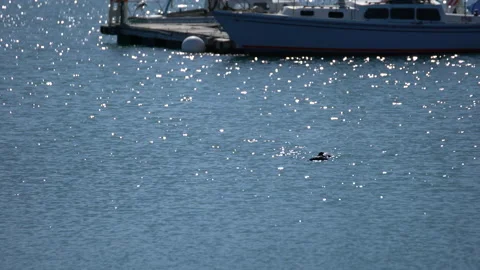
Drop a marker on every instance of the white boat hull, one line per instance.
(266, 33)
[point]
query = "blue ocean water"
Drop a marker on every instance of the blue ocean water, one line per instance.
(147, 158)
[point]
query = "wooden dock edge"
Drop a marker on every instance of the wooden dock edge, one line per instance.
(168, 36)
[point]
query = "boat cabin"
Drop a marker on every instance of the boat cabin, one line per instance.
(395, 11)
(404, 13)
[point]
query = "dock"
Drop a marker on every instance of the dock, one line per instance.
(171, 35)
(168, 31)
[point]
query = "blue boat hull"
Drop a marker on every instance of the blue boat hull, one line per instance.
(265, 33)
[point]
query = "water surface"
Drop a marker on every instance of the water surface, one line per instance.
(146, 158)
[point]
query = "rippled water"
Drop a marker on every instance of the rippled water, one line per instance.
(145, 158)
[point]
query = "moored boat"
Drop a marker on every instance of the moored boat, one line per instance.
(387, 27)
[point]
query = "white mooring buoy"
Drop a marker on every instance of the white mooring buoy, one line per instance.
(193, 44)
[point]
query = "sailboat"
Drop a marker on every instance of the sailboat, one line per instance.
(386, 27)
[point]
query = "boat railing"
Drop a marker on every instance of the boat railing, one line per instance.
(138, 8)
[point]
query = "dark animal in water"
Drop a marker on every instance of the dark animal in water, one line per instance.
(321, 156)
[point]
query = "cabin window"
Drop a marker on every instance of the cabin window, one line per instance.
(306, 12)
(402, 13)
(428, 14)
(405, 1)
(335, 14)
(376, 13)
(263, 5)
